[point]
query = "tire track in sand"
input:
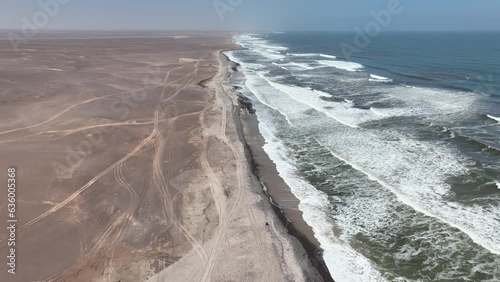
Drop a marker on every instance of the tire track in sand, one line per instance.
(82, 189)
(240, 173)
(158, 176)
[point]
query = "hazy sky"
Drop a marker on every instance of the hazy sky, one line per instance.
(276, 15)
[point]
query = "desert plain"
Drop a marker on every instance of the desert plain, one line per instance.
(130, 166)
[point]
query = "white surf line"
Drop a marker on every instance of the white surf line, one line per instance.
(293, 64)
(328, 56)
(378, 78)
(410, 202)
(498, 184)
(300, 65)
(312, 55)
(261, 100)
(275, 85)
(303, 54)
(378, 112)
(254, 91)
(305, 66)
(321, 93)
(344, 262)
(348, 66)
(494, 118)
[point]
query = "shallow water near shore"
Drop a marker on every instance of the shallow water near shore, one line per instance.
(396, 164)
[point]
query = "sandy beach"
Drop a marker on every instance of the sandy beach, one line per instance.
(135, 163)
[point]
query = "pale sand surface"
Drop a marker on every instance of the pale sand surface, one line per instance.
(130, 166)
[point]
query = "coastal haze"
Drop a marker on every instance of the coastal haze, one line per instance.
(235, 140)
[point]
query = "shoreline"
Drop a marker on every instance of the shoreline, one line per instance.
(166, 191)
(263, 169)
(236, 233)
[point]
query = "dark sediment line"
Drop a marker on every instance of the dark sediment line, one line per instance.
(314, 252)
(246, 104)
(309, 243)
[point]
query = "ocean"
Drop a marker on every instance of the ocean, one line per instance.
(393, 150)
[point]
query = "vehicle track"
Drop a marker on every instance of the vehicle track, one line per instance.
(86, 186)
(156, 138)
(72, 107)
(81, 190)
(67, 132)
(224, 226)
(172, 137)
(215, 186)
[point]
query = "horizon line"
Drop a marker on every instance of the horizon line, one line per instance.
(231, 31)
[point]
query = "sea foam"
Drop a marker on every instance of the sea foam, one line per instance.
(294, 65)
(379, 78)
(303, 54)
(262, 47)
(343, 113)
(344, 263)
(399, 166)
(328, 56)
(494, 118)
(348, 66)
(395, 161)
